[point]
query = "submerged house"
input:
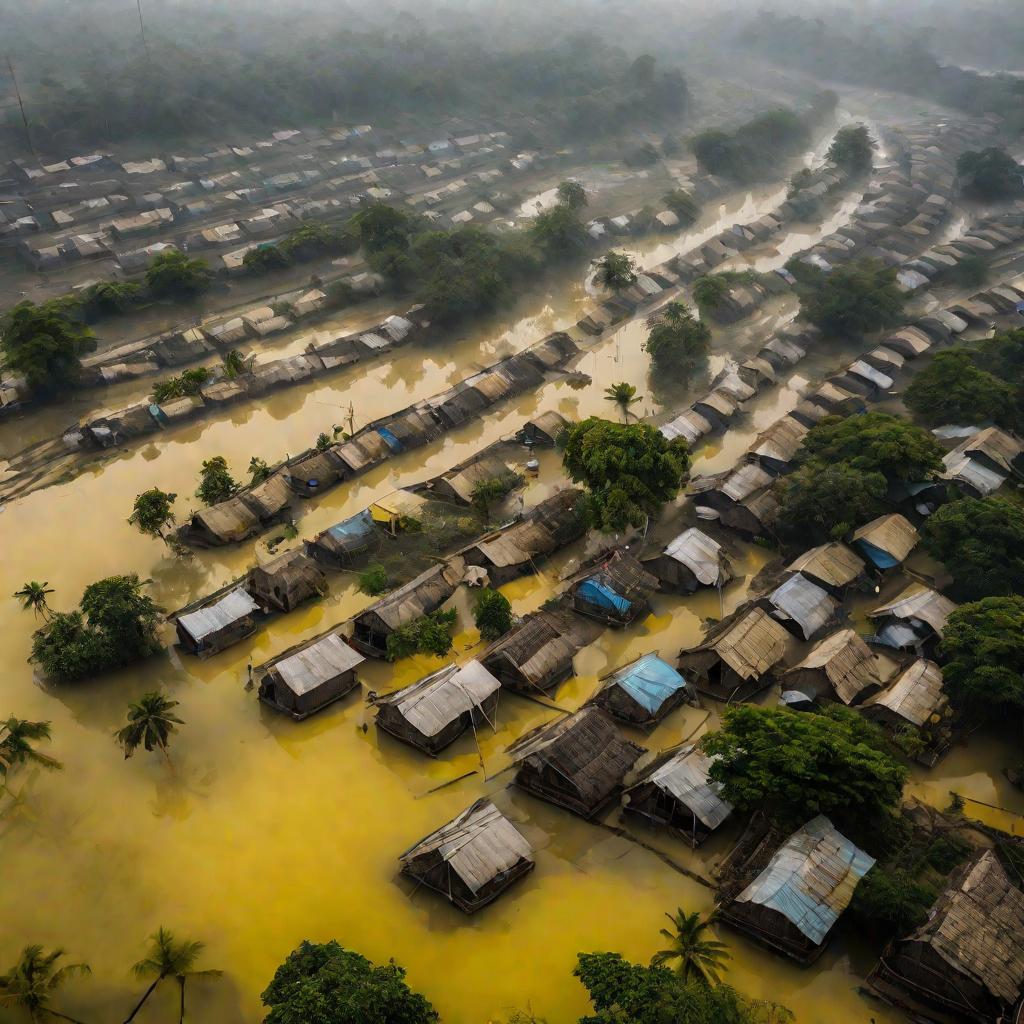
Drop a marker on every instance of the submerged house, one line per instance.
(436, 710)
(343, 545)
(400, 510)
(916, 618)
(286, 581)
(316, 471)
(741, 657)
(309, 676)
(643, 692)
(473, 859)
(577, 762)
(214, 626)
(916, 701)
(227, 522)
(690, 561)
(982, 463)
(615, 591)
(676, 792)
(543, 430)
(536, 655)
(802, 606)
(795, 901)
(840, 667)
(420, 596)
(967, 959)
(832, 566)
(459, 483)
(886, 541)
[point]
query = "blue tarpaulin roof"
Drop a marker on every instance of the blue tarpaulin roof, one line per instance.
(595, 592)
(649, 681)
(392, 442)
(882, 559)
(352, 532)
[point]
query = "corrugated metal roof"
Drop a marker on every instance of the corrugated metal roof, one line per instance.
(811, 878)
(685, 776)
(805, 603)
(649, 681)
(974, 473)
(862, 369)
(700, 554)
(438, 699)
(228, 610)
(892, 535)
(307, 669)
(918, 602)
(744, 481)
(833, 563)
(781, 441)
(916, 695)
(690, 426)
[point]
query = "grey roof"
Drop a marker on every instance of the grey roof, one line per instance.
(228, 610)
(685, 776)
(805, 603)
(973, 472)
(743, 482)
(438, 699)
(689, 425)
(917, 602)
(700, 554)
(916, 695)
(862, 369)
(316, 664)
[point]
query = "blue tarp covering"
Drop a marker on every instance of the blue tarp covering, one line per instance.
(392, 442)
(595, 592)
(650, 681)
(881, 559)
(353, 532)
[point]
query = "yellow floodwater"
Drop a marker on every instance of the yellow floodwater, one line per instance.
(267, 832)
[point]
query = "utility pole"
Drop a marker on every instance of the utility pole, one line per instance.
(142, 28)
(21, 106)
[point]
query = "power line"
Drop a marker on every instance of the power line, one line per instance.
(142, 28)
(21, 106)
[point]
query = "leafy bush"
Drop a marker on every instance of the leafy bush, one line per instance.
(492, 614)
(216, 482)
(430, 634)
(891, 900)
(373, 580)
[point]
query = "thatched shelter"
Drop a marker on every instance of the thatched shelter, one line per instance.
(458, 484)
(543, 430)
(315, 471)
(270, 500)
(398, 511)
(615, 591)
(914, 699)
(286, 581)
(802, 606)
(967, 959)
(840, 667)
(420, 596)
(915, 619)
(886, 541)
(577, 762)
(346, 543)
(676, 792)
(795, 901)
(536, 655)
(309, 676)
(218, 624)
(755, 516)
(643, 692)
(436, 710)
(472, 860)
(776, 447)
(689, 561)
(739, 658)
(227, 522)
(832, 566)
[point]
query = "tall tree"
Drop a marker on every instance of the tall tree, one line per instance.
(172, 274)
(853, 300)
(492, 614)
(572, 194)
(990, 174)
(615, 271)
(820, 503)
(45, 346)
(34, 595)
(153, 512)
(952, 388)
(169, 958)
(696, 957)
(852, 149)
(151, 722)
(678, 341)
(17, 739)
(216, 483)
(623, 395)
(32, 982)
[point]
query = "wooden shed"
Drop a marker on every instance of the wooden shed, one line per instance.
(286, 581)
(886, 541)
(967, 959)
(840, 667)
(577, 762)
(740, 657)
(472, 860)
(832, 566)
(309, 676)
(347, 543)
(615, 591)
(218, 624)
(676, 792)
(643, 692)
(436, 710)
(689, 561)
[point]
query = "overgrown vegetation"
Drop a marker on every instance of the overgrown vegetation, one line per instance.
(754, 150)
(189, 382)
(173, 275)
(678, 342)
(492, 614)
(374, 580)
(153, 512)
(990, 175)
(852, 149)
(216, 483)
(849, 301)
(44, 345)
(430, 634)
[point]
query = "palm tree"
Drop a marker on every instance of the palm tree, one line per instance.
(16, 737)
(623, 395)
(236, 363)
(700, 958)
(31, 982)
(169, 959)
(615, 271)
(33, 595)
(150, 724)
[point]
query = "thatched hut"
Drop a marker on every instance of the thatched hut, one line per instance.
(886, 541)
(832, 566)
(776, 447)
(270, 500)
(915, 619)
(218, 624)
(795, 901)
(802, 606)
(420, 596)
(346, 543)
(286, 581)
(739, 658)
(543, 430)
(400, 510)
(967, 959)
(916, 698)
(309, 676)
(841, 666)
(458, 484)
(577, 762)
(676, 792)
(755, 516)
(535, 656)
(472, 860)
(615, 591)
(435, 711)
(689, 561)
(643, 692)
(315, 471)
(227, 522)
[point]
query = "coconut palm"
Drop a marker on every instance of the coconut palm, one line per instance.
(699, 958)
(615, 271)
(235, 363)
(623, 395)
(33, 595)
(168, 958)
(31, 982)
(150, 724)
(16, 738)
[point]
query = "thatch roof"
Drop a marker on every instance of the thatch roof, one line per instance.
(891, 534)
(225, 611)
(550, 423)
(995, 444)
(315, 663)
(834, 564)
(805, 603)
(420, 596)
(516, 544)
(811, 878)
(781, 441)
(918, 602)
(543, 644)
(701, 555)
(847, 661)
(751, 644)
(684, 776)
(463, 479)
(228, 521)
(271, 496)
(916, 695)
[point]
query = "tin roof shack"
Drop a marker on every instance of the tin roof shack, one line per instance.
(832, 566)
(420, 596)
(690, 561)
(740, 657)
(214, 626)
(473, 859)
(795, 901)
(967, 960)
(435, 711)
(886, 541)
(577, 762)
(459, 483)
(535, 656)
(643, 692)
(285, 582)
(311, 675)
(543, 430)
(346, 543)
(802, 606)
(916, 704)
(615, 591)
(840, 667)
(914, 621)
(982, 463)
(676, 792)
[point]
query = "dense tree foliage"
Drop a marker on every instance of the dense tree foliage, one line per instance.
(852, 149)
(374, 580)
(559, 232)
(215, 481)
(682, 204)
(853, 300)
(894, 900)
(324, 983)
(817, 504)
(952, 388)
(710, 290)
(492, 614)
(615, 271)
(153, 511)
(678, 342)
(755, 149)
(44, 345)
(188, 382)
(990, 174)
(151, 721)
(172, 274)
(629, 471)
(572, 194)
(430, 634)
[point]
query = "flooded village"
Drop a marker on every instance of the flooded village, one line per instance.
(565, 552)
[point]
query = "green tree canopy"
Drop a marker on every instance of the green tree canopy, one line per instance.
(678, 341)
(172, 274)
(327, 984)
(615, 271)
(559, 232)
(983, 644)
(819, 504)
(794, 765)
(990, 174)
(682, 204)
(953, 389)
(492, 614)
(852, 149)
(629, 471)
(32, 982)
(572, 194)
(853, 300)
(429, 634)
(710, 291)
(265, 258)
(105, 297)
(45, 346)
(151, 721)
(215, 481)
(153, 511)
(18, 737)
(696, 956)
